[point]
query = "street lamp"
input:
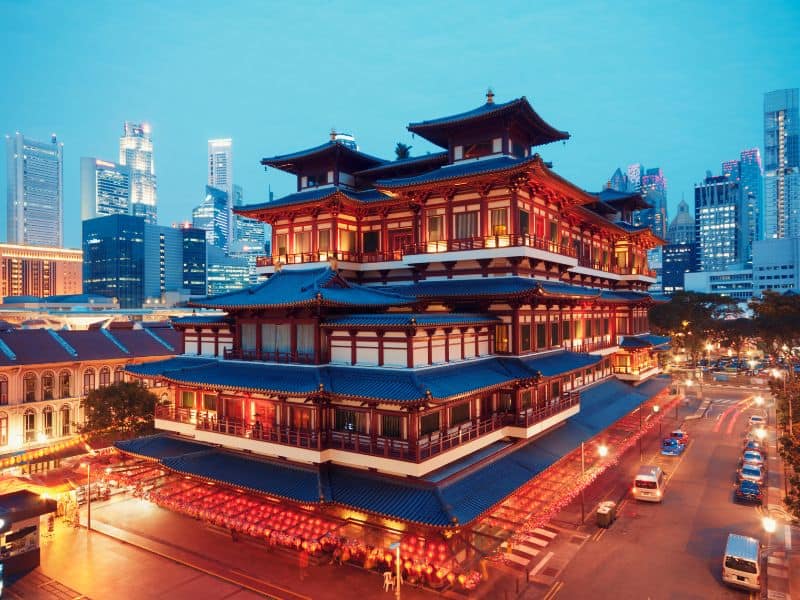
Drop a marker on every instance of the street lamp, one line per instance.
(657, 408)
(769, 524)
(602, 450)
(88, 466)
(759, 400)
(761, 434)
(398, 577)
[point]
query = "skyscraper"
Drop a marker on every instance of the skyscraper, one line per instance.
(213, 216)
(35, 203)
(681, 230)
(136, 152)
(653, 186)
(747, 171)
(719, 214)
(105, 188)
(782, 164)
(220, 164)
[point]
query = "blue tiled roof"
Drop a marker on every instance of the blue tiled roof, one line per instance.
(201, 320)
(643, 341)
(463, 496)
(405, 163)
(624, 295)
(561, 362)
(283, 160)
(297, 287)
(435, 130)
(457, 170)
(489, 286)
(557, 288)
(176, 363)
(408, 320)
(161, 446)
(632, 228)
(270, 477)
(316, 195)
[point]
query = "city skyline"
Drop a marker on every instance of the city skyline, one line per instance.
(672, 122)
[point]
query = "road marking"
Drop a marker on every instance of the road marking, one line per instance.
(517, 559)
(600, 533)
(545, 533)
(540, 565)
(553, 591)
(526, 549)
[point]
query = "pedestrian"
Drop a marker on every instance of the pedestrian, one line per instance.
(303, 563)
(234, 535)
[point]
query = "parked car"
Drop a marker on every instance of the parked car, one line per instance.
(680, 435)
(748, 491)
(672, 447)
(750, 473)
(752, 457)
(755, 445)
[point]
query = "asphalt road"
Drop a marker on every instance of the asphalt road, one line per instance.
(674, 549)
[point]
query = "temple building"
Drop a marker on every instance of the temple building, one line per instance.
(425, 326)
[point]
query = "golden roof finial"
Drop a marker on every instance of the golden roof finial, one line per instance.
(489, 96)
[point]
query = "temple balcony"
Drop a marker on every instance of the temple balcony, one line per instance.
(404, 456)
(640, 373)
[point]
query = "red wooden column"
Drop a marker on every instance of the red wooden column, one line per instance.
(199, 340)
(258, 340)
(447, 333)
(216, 342)
(485, 216)
(413, 432)
(463, 331)
(430, 333)
(477, 341)
(515, 345)
(353, 347)
(384, 232)
(292, 338)
(380, 335)
(317, 342)
(410, 348)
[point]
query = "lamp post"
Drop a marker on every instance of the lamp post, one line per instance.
(641, 455)
(602, 451)
(398, 576)
(657, 408)
(88, 496)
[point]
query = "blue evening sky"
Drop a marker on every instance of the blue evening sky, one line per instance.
(672, 84)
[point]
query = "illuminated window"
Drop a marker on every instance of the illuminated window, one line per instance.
(466, 225)
(435, 228)
(499, 221)
(29, 387)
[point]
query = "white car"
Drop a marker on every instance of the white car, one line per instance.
(752, 457)
(757, 421)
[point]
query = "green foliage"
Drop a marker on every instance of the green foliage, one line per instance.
(777, 320)
(125, 407)
(402, 150)
(689, 318)
(734, 333)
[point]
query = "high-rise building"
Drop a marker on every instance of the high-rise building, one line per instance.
(618, 181)
(39, 271)
(35, 202)
(782, 164)
(719, 214)
(105, 188)
(747, 171)
(220, 164)
(681, 230)
(213, 215)
(226, 273)
(653, 186)
(194, 260)
(136, 152)
(132, 260)
(678, 259)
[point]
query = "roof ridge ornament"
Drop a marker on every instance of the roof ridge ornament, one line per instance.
(333, 134)
(489, 96)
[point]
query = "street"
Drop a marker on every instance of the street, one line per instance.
(674, 549)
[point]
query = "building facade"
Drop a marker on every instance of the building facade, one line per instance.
(681, 230)
(678, 259)
(213, 216)
(720, 212)
(35, 195)
(748, 173)
(194, 261)
(45, 374)
(782, 164)
(39, 271)
(105, 188)
(424, 321)
(136, 152)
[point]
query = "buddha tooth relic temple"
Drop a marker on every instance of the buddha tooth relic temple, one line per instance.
(434, 337)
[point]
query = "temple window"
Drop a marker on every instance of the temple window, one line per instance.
(553, 232)
(555, 390)
(391, 426)
(324, 240)
(588, 328)
(347, 240)
(499, 221)
(350, 420)
(525, 337)
(554, 333)
(371, 241)
(316, 180)
(282, 243)
(505, 402)
(302, 242)
(478, 149)
(429, 423)
(565, 331)
(501, 338)
(305, 339)
(248, 337)
(187, 399)
(526, 399)
(276, 338)
(517, 150)
(524, 222)
(435, 228)
(459, 414)
(466, 225)
(606, 326)
(210, 402)
(541, 335)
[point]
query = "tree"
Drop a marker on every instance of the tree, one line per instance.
(125, 407)
(777, 320)
(688, 318)
(734, 333)
(402, 150)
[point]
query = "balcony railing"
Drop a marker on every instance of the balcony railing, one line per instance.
(427, 445)
(488, 242)
(281, 357)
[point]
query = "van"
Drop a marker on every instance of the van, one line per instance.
(741, 565)
(649, 484)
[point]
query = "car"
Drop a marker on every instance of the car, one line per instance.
(672, 447)
(752, 457)
(750, 473)
(757, 421)
(680, 435)
(758, 434)
(755, 445)
(748, 491)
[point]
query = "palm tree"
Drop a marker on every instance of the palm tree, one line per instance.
(402, 150)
